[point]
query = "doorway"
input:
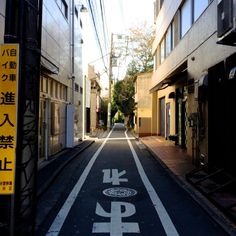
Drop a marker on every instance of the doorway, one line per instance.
(167, 120)
(43, 129)
(162, 117)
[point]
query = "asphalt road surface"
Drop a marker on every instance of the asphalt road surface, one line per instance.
(116, 188)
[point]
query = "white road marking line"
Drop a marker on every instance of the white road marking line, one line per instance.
(115, 139)
(58, 222)
(159, 207)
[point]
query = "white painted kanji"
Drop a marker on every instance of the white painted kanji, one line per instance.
(116, 227)
(113, 176)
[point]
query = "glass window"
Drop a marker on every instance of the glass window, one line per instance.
(199, 7)
(168, 41)
(51, 88)
(65, 93)
(56, 90)
(41, 84)
(186, 17)
(156, 58)
(162, 51)
(175, 30)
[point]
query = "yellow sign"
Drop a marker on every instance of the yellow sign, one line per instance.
(9, 63)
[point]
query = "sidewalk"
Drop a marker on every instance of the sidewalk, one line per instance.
(49, 170)
(178, 164)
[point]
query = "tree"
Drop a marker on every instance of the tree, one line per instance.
(140, 52)
(141, 39)
(123, 96)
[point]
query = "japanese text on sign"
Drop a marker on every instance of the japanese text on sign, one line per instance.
(8, 115)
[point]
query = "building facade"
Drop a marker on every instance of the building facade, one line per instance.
(95, 99)
(191, 90)
(61, 80)
(143, 100)
(61, 77)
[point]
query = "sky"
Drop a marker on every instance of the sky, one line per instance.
(120, 16)
(124, 14)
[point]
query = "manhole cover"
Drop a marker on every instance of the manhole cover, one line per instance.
(119, 192)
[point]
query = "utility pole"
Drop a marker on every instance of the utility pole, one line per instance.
(23, 25)
(109, 88)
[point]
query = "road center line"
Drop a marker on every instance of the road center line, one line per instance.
(159, 207)
(64, 211)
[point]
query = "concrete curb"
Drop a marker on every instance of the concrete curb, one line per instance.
(202, 201)
(44, 187)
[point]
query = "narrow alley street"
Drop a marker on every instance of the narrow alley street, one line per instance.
(115, 187)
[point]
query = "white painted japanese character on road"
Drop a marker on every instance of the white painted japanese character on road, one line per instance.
(113, 176)
(116, 227)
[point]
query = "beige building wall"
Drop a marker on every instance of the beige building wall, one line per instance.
(197, 50)
(94, 97)
(143, 98)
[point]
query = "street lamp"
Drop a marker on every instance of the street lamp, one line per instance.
(83, 8)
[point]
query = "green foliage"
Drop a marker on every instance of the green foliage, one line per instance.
(142, 61)
(123, 96)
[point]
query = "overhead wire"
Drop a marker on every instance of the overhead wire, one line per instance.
(96, 32)
(103, 22)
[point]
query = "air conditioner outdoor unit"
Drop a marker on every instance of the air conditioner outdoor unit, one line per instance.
(226, 22)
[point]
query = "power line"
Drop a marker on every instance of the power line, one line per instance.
(96, 32)
(103, 22)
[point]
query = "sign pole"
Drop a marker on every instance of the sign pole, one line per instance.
(23, 26)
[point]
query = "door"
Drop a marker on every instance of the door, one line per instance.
(43, 129)
(162, 117)
(167, 120)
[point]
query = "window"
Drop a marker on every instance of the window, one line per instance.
(175, 30)
(56, 89)
(199, 7)
(41, 84)
(157, 7)
(156, 58)
(186, 17)
(51, 88)
(65, 93)
(162, 51)
(168, 41)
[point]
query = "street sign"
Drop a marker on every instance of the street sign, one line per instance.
(9, 63)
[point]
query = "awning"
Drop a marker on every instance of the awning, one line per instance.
(178, 76)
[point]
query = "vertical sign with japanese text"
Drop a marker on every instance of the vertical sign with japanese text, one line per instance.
(9, 63)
